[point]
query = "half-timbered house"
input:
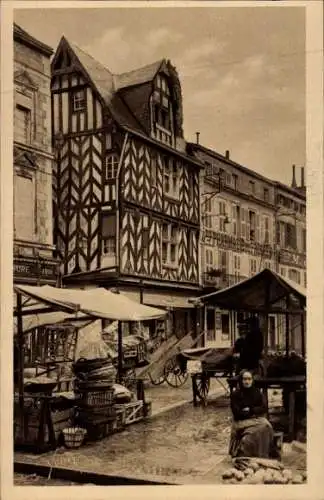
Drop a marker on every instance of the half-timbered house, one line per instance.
(126, 193)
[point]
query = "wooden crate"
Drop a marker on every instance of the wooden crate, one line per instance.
(133, 411)
(60, 420)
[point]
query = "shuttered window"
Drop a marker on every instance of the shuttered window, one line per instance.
(24, 208)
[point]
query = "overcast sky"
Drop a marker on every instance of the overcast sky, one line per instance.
(242, 70)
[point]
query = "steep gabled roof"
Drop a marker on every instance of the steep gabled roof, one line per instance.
(138, 76)
(101, 76)
(103, 81)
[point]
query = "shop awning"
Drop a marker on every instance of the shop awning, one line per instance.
(264, 291)
(99, 303)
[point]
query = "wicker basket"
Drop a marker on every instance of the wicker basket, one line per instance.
(74, 436)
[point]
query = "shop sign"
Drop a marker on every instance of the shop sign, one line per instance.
(34, 269)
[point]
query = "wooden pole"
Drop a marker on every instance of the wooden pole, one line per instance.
(120, 352)
(266, 318)
(20, 334)
(287, 327)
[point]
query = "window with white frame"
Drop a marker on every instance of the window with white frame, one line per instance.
(237, 266)
(283, 271)
(209, 259)
(244, 223)
(266, 196)
(207, 218)
(170, 244)
(294, 275)
(108, 234)
(253, 267)
(252, 225)
(79, 101)
(222, 217)
(266, 230)
(171, 177)
(111, 166)
(223, 259)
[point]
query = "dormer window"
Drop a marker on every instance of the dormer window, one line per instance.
(79, 102)
(162, 113)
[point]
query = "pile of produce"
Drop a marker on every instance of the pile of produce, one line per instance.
(261, 471)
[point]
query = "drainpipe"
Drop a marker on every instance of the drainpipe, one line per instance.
(118, 199)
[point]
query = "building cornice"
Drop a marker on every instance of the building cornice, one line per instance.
(23, 37)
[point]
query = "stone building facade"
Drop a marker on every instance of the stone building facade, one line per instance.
(34, 261)
(248, 223)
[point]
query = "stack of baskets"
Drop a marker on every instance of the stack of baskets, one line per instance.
(95, 396)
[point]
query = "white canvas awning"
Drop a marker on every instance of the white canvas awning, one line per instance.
(99, 303)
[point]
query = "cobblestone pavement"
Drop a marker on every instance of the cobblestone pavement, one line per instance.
(163, 395)
(180, 446)
(184, 445)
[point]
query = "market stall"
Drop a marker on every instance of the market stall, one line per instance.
(263, 294)
(76, 310)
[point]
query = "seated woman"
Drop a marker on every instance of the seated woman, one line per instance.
(252, 433)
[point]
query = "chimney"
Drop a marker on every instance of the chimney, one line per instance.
(227, 154)
(302, 174)
(293, 182)
(197, 137)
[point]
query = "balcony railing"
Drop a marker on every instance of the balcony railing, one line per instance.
(222, 281)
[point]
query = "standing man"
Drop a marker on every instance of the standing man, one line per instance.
(239, 351)
(253, 346)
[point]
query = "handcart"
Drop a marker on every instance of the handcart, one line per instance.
(203, 364)
(165, 363)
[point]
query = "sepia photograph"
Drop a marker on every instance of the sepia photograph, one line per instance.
(159, 245)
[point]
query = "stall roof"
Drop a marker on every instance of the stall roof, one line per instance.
(265, 288)
(99, 303)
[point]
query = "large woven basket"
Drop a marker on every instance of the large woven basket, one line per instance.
(74, 436)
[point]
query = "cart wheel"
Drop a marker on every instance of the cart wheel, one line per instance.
(174, 376)
(202, 384)
(158, 380)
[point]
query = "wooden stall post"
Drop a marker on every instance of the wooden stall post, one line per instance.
(287, 326)
(20, 362)
(120, 353)
(266, 318)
